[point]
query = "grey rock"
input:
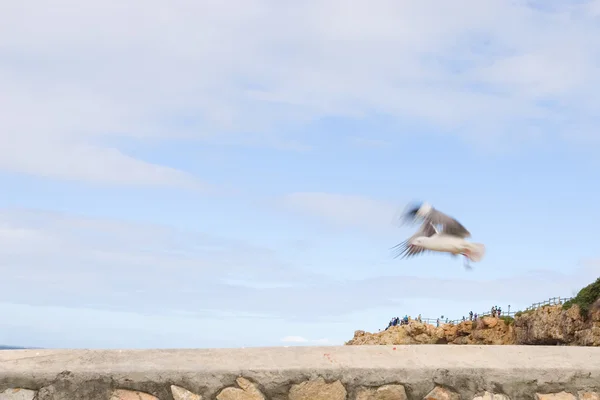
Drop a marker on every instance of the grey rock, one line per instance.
(18, 394)
(492, 396)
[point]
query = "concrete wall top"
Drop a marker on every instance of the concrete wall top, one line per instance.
(468, 369)
(406, 357)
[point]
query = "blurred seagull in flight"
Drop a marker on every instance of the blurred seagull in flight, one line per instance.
(438, 232)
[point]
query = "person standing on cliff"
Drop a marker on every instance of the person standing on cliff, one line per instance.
(470, 315)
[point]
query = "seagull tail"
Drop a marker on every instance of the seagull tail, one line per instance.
(477, 251)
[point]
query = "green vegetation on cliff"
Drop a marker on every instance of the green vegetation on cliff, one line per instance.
(585, 298)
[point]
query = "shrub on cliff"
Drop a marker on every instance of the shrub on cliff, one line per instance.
(522, 312)
(585, 298)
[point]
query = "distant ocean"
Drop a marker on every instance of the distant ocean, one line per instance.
(2, 347)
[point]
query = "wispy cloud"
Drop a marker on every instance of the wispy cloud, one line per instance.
(161, 72)
(343, 209)
(109, 263)
(71, 261)
(363, 142)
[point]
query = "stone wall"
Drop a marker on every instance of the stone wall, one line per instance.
(304, 373)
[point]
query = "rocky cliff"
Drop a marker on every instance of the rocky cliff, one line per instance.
(486, 330)
(555, 325)
(544, 326)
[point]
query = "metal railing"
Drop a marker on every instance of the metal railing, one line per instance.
(550, 302)
(553, 301)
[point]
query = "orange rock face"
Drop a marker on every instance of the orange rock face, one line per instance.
(484, 331)
(546, 325)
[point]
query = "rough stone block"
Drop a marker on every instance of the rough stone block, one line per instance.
(584, 395)
(386, 392)
(247, 391)
(442, 393)
(180, 393)
(318, 389)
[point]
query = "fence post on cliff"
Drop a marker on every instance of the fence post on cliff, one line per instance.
(551, 301)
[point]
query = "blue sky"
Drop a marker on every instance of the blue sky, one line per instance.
(202, 175)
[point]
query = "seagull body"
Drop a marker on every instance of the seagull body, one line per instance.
(450, 244)
(451, 238)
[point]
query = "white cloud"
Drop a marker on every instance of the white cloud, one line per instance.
(300, 339)
(89, 163)
(59, 260)
(343, 210)
(75, 78)
(294, 339)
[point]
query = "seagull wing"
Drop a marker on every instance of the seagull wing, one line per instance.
(450, 226)
(409, 214)
(405, 249)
